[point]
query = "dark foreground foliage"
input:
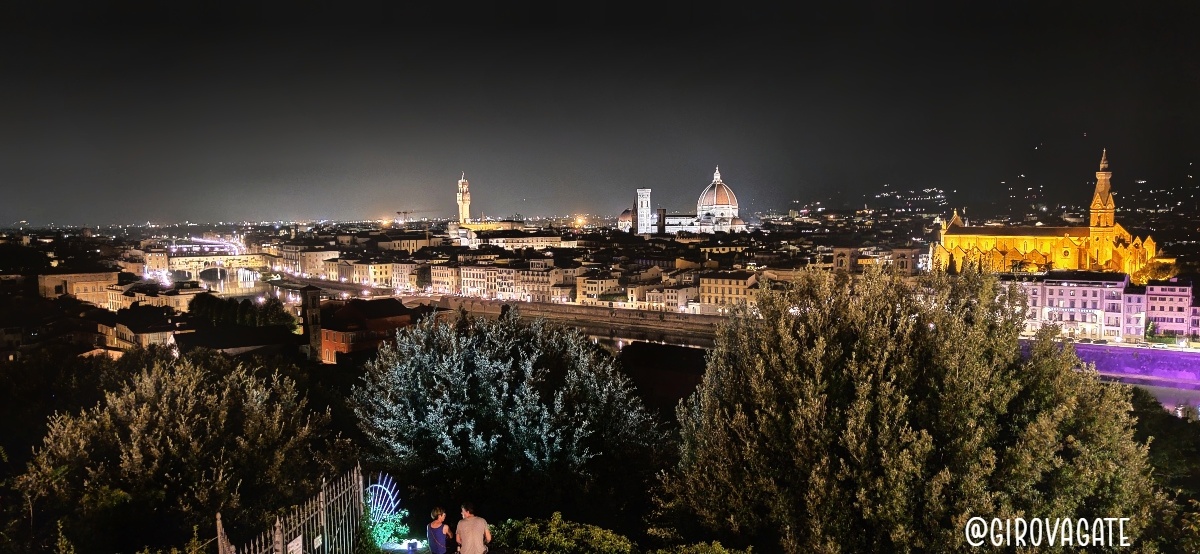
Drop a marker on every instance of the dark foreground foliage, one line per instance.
(871, 415)
(527, 418)
(558, 536)
(208, 309)
(165, 451)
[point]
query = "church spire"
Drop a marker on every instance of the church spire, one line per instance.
(717, 175)
(955, 220)
(1103, 207)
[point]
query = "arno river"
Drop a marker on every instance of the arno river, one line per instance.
(1171, 375)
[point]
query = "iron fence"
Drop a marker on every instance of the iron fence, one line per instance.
(325, 524)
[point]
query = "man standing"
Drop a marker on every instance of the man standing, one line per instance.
(473, 533)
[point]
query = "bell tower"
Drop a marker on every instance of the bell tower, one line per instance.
(644, 218)
(1099, 251)
(464, 199)
(1102, 208)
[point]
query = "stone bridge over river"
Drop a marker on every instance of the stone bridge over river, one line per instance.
(193, 265)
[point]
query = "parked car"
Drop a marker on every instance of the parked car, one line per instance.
(1101, 341)
(1085, 340)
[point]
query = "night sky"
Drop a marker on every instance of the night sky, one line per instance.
(131, 112)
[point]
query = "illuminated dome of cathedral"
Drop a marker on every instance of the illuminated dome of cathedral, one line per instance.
(625, 221)
(717, 200)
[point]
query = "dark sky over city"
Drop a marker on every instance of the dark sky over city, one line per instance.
(122, 113)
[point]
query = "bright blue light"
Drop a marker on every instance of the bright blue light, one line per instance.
(387, 519)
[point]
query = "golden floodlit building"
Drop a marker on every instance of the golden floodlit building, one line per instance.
(1103, 245)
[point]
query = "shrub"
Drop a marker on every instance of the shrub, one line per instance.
(557, 536)
(700, 548)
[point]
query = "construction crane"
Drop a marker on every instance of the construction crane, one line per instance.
(403, 219)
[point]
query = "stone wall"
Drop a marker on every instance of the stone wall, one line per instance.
(1166, 365)
(698, 325)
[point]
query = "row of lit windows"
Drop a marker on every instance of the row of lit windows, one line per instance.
(1064, 304)
(728, 281)
(1060, 292)
(719, 300)
(723, 290)
(1083, 318)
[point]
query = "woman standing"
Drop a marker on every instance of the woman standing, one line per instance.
(438, 533)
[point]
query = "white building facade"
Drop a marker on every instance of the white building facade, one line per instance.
(1084, 304)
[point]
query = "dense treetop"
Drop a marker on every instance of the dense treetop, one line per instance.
(873, 415)
(210, 310)
(526, 415)
(168, 449)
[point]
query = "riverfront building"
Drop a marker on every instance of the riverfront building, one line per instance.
(720, 291)
(1168, 307)
(1105, 306)
(1085, 304)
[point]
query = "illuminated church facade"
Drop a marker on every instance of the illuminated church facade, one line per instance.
(1103, 245)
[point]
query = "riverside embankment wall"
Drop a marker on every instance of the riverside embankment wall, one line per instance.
(702, 328)
(1167, 365)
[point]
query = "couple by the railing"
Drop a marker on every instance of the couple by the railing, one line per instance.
(472, 537)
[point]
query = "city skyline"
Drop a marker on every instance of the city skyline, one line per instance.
(172, 115)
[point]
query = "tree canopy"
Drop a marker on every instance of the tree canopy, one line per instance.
(1153, 271)
(209, 309)
(178, 442)
(872, 415)
(528, 416)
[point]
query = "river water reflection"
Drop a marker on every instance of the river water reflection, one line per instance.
(664, 361)
(239, 284)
